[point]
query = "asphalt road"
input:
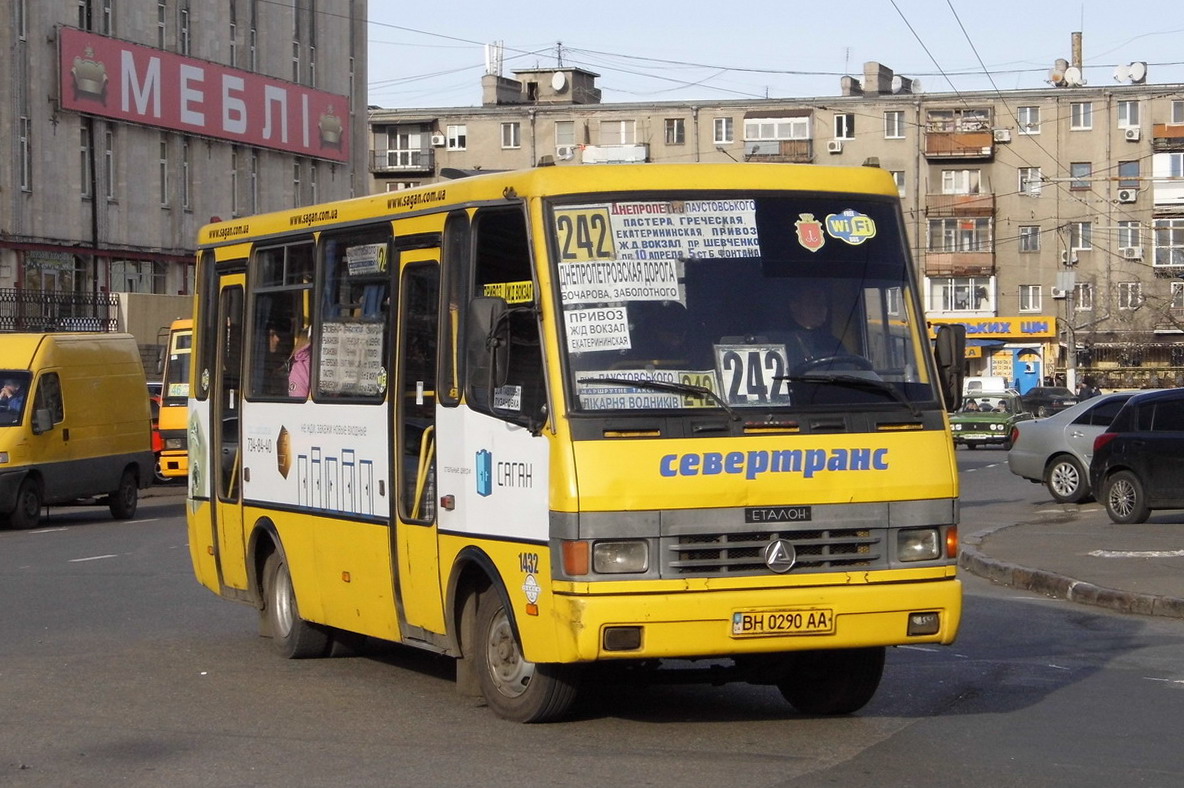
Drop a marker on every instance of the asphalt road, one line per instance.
(116, 668)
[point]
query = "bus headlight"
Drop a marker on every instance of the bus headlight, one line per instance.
(3, 458)
(174, 443)
(620, 557)
(918, 544)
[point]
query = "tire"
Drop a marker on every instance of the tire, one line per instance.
(293, 637)
(1125, 501)
(158, 473)
(514, 688)
(1007, 445)
(837, 681)
(124, 500)
(1066, 480)
(971, 446)
(27, 513)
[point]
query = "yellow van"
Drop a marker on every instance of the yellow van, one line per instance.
(74, 423)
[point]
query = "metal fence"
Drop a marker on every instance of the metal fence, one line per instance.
(37, 310)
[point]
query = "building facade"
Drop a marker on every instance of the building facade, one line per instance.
(134, 122)
(1049, 221)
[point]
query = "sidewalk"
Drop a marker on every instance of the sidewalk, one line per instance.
(1079, 556)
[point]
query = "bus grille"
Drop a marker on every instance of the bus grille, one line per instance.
(828, 550)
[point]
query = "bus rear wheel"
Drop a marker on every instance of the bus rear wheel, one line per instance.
(27, 513)
(837, 681)
(294, 638)
(514, 688)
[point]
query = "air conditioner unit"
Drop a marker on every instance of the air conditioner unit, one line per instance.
(565, 152)
(1133, 253)
(1132, 134)
(834, 146)
(438, 140)
(1002, 135)
(1059, 292)
(1128, 195)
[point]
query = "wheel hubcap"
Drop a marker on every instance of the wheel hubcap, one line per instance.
(1122, 498)
(1065, 479)
(510, 672)
(282, 602)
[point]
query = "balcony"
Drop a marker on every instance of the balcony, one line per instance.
(637, 153)
(399, 161)
(780, 151)
(959, 263)
(1167, 137)
(959, 144)
(937, 205)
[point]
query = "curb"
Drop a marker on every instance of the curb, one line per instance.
(1058, 586)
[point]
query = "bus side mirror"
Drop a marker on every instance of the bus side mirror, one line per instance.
(42, 421)
(949, 350)
(487, 348)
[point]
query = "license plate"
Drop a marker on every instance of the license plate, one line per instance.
(757, 623)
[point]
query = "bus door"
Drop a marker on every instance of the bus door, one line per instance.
(414, 442)
(225, 429)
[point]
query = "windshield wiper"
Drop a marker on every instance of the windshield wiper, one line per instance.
(665, 385)
(854, 381)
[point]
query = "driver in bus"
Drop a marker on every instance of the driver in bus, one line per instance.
(811, 338)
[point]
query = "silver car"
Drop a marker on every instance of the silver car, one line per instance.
(1055, 451)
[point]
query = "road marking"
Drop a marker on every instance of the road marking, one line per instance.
(47, 530)
(92, 558)
(1137, 553)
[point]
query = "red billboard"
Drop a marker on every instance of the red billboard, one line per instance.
(138, 84)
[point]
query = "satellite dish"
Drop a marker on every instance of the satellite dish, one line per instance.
(916, 86)
(897, 83)
(1138, 71)
(1122, 73)
(1073, 76)
(559, 81)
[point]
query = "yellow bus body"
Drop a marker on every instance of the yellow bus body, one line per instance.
(174, 400)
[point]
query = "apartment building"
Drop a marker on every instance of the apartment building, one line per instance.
(131, 123)
(1049, 221)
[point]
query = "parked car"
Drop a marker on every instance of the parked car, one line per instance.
(986, 419)
(1056, 451)
(1047, 400)
(1138, 462)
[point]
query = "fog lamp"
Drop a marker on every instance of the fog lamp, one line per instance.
(174, 443)
(622, 638)
(620, 557)
(927, 623)
(918, 544)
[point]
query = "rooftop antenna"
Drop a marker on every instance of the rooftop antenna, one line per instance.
(559, 53)
(493, 58)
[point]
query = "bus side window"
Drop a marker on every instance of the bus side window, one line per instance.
(502, 267)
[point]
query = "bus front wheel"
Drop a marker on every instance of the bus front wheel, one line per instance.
(514, 688)
(838, 681)
(293, 637)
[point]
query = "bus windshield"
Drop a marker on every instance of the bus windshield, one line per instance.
(775, 302)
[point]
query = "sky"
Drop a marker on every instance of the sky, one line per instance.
(434, 54)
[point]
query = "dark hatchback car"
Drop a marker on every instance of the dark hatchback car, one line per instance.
(1138, 462)
(1047, 400)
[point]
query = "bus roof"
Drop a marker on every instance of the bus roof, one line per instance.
(551, 181)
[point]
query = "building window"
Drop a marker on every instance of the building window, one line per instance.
(233, 39)
(1029, 238)
(26, 153)
(1030, 181)
(296, 61)
(313, 193)
(1081, 116)
(961, 181)
(962, 119)
(1129, 235)
(898, 178)
(1130, 295)
(1080, 172)
(84, 14)
(234, 204)
(164, 170)
(1169, 242)
(725, 130)
(21, 16)
(183, 28)
(1177, 295)
(845, 126)
(312, 66)
(186, 176)
(1128, 174)
(565, 132)
(894, 125)
(107, 23)
(161, 22)
(1128, 114)
(758, 129)
(512, 135)
(458, 137)
(617, 132)
(109, 162)
(676, 131)
(253, 48)
(296, 184)
(86, 159)
(1083, 297)
(1176, 165)
(961, 294)
(1081, 236)
(254, 182)
(1028, 119)
(1178, 111)
(960, 234)
(1030, 298)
